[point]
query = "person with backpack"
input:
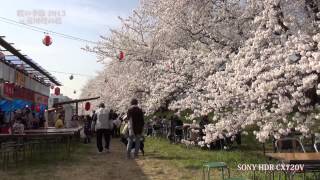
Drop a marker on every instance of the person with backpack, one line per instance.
(104, 126)
(125, 135)
(135, 125)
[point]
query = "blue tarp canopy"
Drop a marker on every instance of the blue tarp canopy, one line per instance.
(16, 104)
(9, 106)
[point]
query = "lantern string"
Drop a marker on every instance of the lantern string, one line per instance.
(19, 24)
(69, 89)
(42, 30)
(70, 73)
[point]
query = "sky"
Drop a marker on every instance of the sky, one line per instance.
(86, 19)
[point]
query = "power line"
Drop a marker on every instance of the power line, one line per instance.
(20, 25)
(42, 30)
(70, 73)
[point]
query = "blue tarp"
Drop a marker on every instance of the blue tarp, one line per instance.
(10, 106)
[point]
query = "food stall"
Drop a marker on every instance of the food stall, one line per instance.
(23, 83)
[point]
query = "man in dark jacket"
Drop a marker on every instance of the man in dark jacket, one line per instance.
(135, 125)
(93, 121)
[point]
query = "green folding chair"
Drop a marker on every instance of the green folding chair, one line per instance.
(214, 165)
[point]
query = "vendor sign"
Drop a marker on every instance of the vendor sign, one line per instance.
(20, 79)
(8, 90)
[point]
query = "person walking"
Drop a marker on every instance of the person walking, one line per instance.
(103, 128)
(87, 129)
(116, 125)
(135, 126)
(94, 121)
(112, 117)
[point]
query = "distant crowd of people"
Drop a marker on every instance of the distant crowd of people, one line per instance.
(20, 120)
(106, 123)
(75, 122)
(178, 132)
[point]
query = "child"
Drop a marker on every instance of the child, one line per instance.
(116, 127)
(87, 129)
(18, 127)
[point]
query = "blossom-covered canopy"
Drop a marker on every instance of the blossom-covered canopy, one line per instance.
(253, 62)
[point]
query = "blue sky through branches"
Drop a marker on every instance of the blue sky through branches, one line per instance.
(87, 19)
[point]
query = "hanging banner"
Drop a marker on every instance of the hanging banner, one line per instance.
(11, 91)
(9, 74)
(8, 90)
(20, 79)
(23, 93)
(40, 99)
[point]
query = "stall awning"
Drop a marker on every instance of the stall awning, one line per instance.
(23, 64)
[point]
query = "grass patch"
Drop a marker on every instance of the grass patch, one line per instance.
(45, 164)
(192, 159)
(162, 161)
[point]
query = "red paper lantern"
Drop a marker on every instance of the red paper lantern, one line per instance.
(57, 91)
(87, 106)
(47, 40)
(121, 55)
(38, 108)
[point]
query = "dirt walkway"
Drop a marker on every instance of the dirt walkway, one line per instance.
(106, 166)
(113, 165)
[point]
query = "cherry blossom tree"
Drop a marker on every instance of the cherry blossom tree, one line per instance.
(273, 78)
(253, 62)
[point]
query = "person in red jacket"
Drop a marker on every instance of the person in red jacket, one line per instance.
(135, 125)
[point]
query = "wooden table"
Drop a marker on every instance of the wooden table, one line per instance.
(310, 161)
(52, 130)
(30, 134)
(296, 158)
(34, 135)
(51, 133)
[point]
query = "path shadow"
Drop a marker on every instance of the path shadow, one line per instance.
(85, 164)
(160, 157)
(115, 164)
